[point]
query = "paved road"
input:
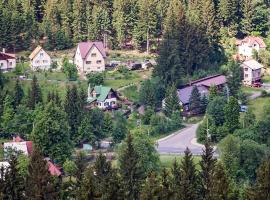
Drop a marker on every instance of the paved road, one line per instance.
(179, 141)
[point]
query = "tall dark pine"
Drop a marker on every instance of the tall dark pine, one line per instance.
(189, 188)
(39, 183)
(151, 189)
(88, 186)
(35, 95)
(195, 101)
(166, 188)
(262, 186)
(13, 186)
(171, 101)
(130, 173)
(18, 93)
(176, 180)
(207, 165)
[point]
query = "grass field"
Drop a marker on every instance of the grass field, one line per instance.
(249, 90)
(266, 79)
(258, 106)
(131, 93)
(168, 160)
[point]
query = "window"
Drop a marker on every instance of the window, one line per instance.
(98, 61)
(246, 69)
(10, 63)
(37, 61)
(98, 67)
(88, 62)
(93, 55)
(41, 54)
(44, 61)
(246, 75)
(2, 65)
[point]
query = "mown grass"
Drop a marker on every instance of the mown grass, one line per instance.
(258, 106)
(168, 160)
(131, 93)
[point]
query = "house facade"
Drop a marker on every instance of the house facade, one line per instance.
(252, 72)
(102, 97)
(90, 57)
(7, 61)
(249, 44)
(40, 59)
(19, 145)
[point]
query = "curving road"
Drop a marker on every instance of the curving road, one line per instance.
(177, 143)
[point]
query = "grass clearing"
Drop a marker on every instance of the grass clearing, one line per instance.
(266, 79)
(250, 90)
(131, 93)
(258, 106)
(168, 160)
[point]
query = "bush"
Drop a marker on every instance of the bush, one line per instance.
(264, 93)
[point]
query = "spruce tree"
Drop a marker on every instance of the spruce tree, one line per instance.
(6, 118)
(39, 183)
(14, 186)
(107, 125)
(234, 78)
(207, 164)
(120, 129)
(231, 114)
(213, 92)
(248, 9)
(195, 101)
(18, 93)
(35, 95)
(176, 180)
(171, 101)
(166, 186)
(189, 188)
(261, 188)
(130, 173)
(151, 189)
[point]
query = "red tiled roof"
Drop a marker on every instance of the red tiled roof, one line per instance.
(250, 40)
(29, 145)
(18, 139)
(86, 46)
(4, 56)
(54, 171)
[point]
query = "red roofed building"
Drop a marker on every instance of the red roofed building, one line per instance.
(7, 61)
(90, 57)
(54, 170)
(19, 145)
(249, 44)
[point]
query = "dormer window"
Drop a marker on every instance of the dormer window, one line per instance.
(41, 54)
(93, 55)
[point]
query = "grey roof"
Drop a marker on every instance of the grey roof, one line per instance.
(185, 93)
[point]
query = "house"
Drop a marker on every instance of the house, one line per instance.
(19, 145)
(249, 44)
(90, 57)
(7, 61)
(203, 86)
(40, 59)
(252, 72)
(102, 97)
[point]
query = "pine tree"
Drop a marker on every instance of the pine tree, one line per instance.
(221, 185)
(35, 95)
(171, 101)
(248, 13)
(120, 130)
(176, 180)
(18, 93)
(207, 164)
(6, 118)
(107, 125)
(195, 101)
(151, 189)
(204, 103)
(166, 188)
(189, 189)
(79, 24)
(262, 186)
(234, 78)
(130, 173)
(231, 114)
(39, 183)
(213, 92)
(13, 186)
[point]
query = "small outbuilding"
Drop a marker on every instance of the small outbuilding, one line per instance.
(252, 72)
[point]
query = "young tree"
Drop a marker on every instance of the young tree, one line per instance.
(13, 187)
(151, 188)
(39, 183)
(8, 114)
(232, 114)
(195, 101)
(215, 110)
(120, 130)
(213, 92)
(95, 79)
(107, 125)
(189, 188)
(86, 131)
(70, 70)
(171, 101)
(234, 78)
(18, 93)
(51, 133)
(207, 164)
(130, 172)
(34, 96)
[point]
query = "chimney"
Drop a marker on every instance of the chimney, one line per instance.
(4, 50)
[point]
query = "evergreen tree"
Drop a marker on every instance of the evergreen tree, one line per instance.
(171, 101)
(234, 78)
(86, 131)
(130, 173)
(231, 114)
(248, 13)
(213, 92)
(207, 164)
(151, 189)
(166, 190)
(107, 125)
(195, 101)
(189, 188)
(176, 180)
(51, 133)
(34, 96)
(18, 93)
(120, 130)
(6, 118)
(204, 103)
(39, 183)
(13, 187)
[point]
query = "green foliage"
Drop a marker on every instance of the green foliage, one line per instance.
(120, 129)
(234, 78)
(34, 94)
(70, 168)
(6, 119)
(51, 133)
(232, 114)
(195, 101)
(147, 116)
(69, 69)
(18, 93)
(172, 103)
(215, 110)
(95, 79)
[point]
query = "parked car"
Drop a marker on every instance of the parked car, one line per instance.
(243, 108)
(134, 66)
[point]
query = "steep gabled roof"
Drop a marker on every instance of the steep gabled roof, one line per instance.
(102, 93)
(252, 64)
(250, 40)
(5, 56)
(35, 52)
(86, 46)
(185, 93)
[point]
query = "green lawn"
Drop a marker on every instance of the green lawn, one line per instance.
(168, 160)
(57, 76)
(258, 105)
(131, 93)
(266, 79)
(249, 90)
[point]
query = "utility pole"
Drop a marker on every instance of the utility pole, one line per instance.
(147, 41)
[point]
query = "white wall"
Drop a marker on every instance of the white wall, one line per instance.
(7, 65)
(102, 105)
(42, 61)
(245, 50)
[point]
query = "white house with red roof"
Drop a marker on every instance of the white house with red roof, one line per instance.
(249, 44)
(40, 59)
(7, 61)
(19, 145)
(90, 57)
